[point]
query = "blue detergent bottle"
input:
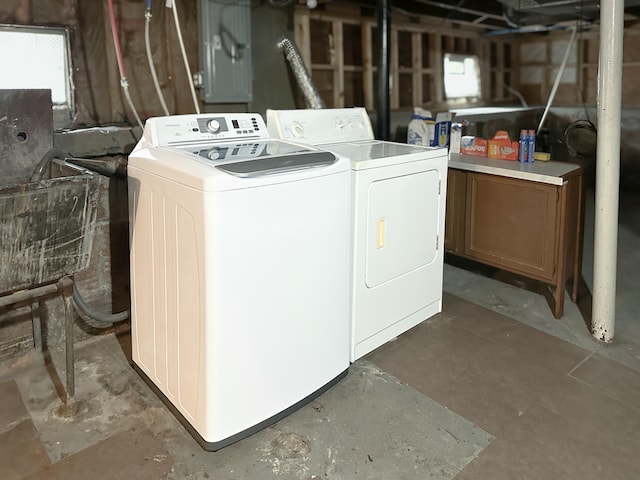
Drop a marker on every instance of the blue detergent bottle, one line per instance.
(523, 150)
(531, 140)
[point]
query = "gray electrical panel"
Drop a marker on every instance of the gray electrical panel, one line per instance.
(225, 33)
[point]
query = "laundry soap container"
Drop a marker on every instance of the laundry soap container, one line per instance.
(421, 127)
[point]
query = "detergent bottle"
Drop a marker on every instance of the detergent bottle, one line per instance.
(419, 132)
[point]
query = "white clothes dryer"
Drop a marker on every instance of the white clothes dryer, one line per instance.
(239, 271)
(398, 208)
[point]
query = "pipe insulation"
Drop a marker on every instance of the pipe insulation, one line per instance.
(301, 74)
(605, 246)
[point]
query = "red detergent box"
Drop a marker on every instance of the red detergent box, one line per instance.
(501, 146)
(470, 145)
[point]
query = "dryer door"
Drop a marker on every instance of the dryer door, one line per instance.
(402, 225)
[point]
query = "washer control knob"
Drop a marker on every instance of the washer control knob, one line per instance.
(297, 129)
(213, 154)
(213, 126)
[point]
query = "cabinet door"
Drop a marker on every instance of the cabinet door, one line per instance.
(454, 216)
(511, 224)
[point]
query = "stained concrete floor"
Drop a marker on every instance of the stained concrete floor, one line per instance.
(493, 387)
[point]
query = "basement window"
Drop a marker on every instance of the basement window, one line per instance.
(38, 58)
(461, 77)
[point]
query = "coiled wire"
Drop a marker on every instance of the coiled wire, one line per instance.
(572, 136)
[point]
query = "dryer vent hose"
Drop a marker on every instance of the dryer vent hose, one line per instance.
(300, 72)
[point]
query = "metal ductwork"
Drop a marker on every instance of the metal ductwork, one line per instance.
(301, 74)
(529, 12)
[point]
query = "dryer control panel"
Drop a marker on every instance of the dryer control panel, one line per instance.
(213, 127)
(316, 127)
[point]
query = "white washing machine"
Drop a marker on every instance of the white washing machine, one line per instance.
(239, 271)
(398, 208)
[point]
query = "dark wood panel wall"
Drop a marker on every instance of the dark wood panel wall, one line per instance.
(96, 76)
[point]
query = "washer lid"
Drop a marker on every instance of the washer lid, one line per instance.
(278, 164)
(265, 157)
(378, 153)
(222, 166)
(223, 152)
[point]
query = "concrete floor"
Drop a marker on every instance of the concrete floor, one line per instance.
(493, 387)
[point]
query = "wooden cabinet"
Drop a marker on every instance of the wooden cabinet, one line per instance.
(528, 226)
(455, 211)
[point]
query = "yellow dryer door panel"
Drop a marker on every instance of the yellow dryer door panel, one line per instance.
(402, 223)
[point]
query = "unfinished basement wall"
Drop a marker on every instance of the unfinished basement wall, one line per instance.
(99, 98)
(570, 130)
(338, 45)
(540, 55)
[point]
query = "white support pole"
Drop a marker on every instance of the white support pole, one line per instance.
(607, 169)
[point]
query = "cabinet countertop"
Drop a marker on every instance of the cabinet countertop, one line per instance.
(543, 172)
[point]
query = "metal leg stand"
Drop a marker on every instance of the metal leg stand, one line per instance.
(37, 324)
(65, 286)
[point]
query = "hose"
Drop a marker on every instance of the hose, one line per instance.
(291, 53)
(94, 167)
(123, 77)
(523, 102)
(568, 138)
(184, 56)
(44, 162)
(101, 317)
(152, 67)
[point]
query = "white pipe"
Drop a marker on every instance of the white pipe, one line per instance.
(125, 89)
(196, 104)
(556, 82)
(607, 169)
(152, 67)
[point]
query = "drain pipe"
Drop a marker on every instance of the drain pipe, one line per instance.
(83, 307)
(607, 170)
(384, 60)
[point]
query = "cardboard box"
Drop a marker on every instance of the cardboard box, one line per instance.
(470, 145)
(501, 146)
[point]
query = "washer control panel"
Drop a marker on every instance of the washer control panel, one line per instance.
(185, 129)
(315, 127)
